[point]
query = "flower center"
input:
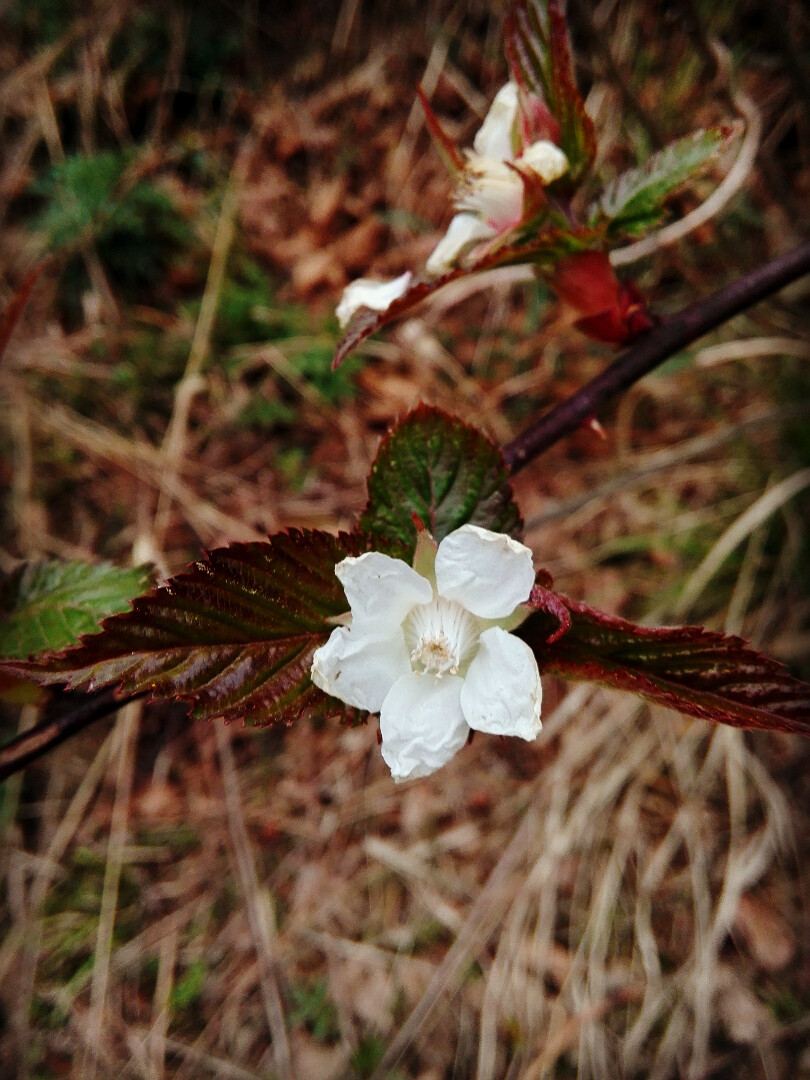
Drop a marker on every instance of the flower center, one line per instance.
(441, 636)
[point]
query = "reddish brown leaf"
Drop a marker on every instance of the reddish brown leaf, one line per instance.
(234, 635)
(698, 672)
(610, 310)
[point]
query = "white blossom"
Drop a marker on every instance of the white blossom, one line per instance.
(546, 159)
(377, 295)
(490, 195)
(489, 200)
(429, 647)
(496, 138)
(464, 232)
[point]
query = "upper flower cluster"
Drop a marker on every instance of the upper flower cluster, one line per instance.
(490, 199)
(429, 648)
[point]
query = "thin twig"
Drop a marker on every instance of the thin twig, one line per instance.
(192, 381)
(209, 1062)
(661, 460)
(653, 349)
(73, 713)
(756, 515)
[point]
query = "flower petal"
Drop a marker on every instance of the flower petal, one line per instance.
(495, 136)
(493, 191)
(502, 691)
(360, 668)
(422, 724)
(546, 159)
(377, 295)
(381, 589)
(463, 231)
(488, 573)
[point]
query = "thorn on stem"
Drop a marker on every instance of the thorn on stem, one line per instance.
(592, 424)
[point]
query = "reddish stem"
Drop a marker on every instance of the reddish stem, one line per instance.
(656, 346)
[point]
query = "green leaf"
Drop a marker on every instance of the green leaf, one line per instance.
(698, 672)
(539, 54)
(47, 606)
(234, 635)
(444, 471)
(133, 222)
(635, 200)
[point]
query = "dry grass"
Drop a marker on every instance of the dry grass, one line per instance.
(627, 896)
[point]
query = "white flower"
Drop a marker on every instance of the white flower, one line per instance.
(496, 138)
(377, 295)
(429, 648)
(464, 232)
(546, 159)
(490, 198)
(493, 191)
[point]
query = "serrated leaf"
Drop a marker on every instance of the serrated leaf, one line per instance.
(635, 200)
(366, 322)
(234, 635)
(543, 249)
(47, 606)
(539, 54)
(698, 672)
(444, 471)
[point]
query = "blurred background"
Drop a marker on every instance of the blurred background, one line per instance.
(626, 897)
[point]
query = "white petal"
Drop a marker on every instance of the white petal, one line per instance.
(377, 295)
(494, 138)
(422, 724)
(502, 692)
(488, 573)
(546, 159)
(493, 191)
(463, 231)
(381, 589)
(359, 668)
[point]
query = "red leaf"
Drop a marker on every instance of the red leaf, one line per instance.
(611, 311)
(587, 282)
(698, 672)
(234, 635)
